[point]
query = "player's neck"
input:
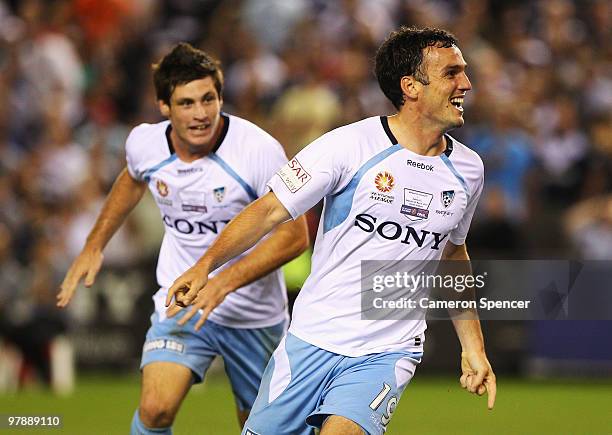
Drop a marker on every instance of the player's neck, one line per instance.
(417, 135)
(188, 153)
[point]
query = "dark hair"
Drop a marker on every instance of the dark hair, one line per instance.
(182, 65)
(402, 55)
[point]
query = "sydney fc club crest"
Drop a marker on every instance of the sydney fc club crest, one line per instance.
(219, 193)
(447, 198)
(162, 188)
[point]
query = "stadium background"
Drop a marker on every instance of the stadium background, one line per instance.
(75, 77)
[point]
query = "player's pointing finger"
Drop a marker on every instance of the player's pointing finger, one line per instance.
(492, 392)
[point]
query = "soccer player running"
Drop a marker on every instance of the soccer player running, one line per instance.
(383, 179)
(203, 167)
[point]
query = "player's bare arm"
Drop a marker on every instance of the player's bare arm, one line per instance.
(286, 242)
(242, 233)
(477, 375)
(123, 197)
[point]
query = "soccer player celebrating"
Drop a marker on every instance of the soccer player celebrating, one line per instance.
(383, 180)
(202, 166)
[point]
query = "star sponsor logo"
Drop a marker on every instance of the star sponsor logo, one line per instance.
(420, 165)
(162, 188)
(219, 193)
(416, 204)
(294, 175)
(384, 182)
(447, 197)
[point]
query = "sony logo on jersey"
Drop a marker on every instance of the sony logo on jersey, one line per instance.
(392, 230)
(294, 175)
(183, 226)
(420, 165)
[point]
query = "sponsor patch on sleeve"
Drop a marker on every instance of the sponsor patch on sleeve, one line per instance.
(294, 175)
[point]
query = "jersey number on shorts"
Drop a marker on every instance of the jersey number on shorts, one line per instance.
(391, 404)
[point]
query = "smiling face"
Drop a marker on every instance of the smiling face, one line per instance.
(195, 114)
(441, 101)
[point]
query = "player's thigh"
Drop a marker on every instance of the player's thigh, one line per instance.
(167, 341)
(367, 391)
(290, 390)
(246, 353)
(338, 425)
(164, 386)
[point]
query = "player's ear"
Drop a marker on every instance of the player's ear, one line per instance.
(410, 87)
(164, 108)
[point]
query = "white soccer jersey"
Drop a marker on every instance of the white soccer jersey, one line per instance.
(382, 202)
(198, 199)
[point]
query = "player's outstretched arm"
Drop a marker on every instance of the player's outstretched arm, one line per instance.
(123, 197)
(477, 374)
(286, 242)
(242, 233)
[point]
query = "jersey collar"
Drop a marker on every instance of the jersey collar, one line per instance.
(384, 120)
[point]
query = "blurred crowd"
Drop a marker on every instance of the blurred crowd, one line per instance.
(75, 77)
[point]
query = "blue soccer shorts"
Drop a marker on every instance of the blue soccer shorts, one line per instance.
(304, 384)
(245, 351)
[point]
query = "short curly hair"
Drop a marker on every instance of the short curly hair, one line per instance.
(182, 65)
(401, 54)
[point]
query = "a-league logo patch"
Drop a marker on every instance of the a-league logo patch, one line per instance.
(447, 198)
(384, 182)
(162, 188)
(219, 193)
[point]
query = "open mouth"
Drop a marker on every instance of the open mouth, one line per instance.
(199, 128)
(457, 102)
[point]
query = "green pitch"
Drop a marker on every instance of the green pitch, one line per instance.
(104, 405)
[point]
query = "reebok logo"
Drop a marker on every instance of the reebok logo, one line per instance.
(189, 171)
(420, 165)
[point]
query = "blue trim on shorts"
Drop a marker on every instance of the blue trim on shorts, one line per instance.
(338, 206)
